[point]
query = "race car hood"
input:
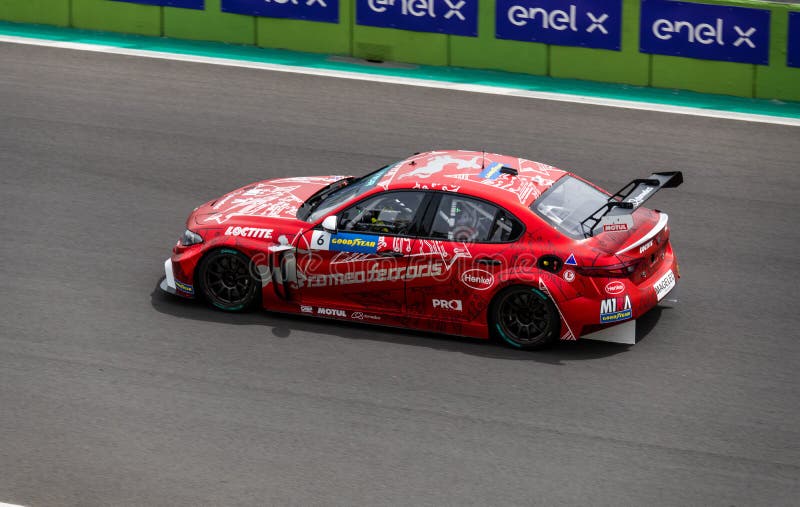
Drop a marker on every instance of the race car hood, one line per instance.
(269, 199)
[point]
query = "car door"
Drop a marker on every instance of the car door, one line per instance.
(465, 246)
(362, 265)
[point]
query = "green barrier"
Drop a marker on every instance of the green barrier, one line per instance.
(116, 17)
(778, 80)
(775, 81)
(45, 12)
(627, 66)
(309, 36)
(384, 44)
(486, 52)
(706, 76)
(703, 76)
(211, 24)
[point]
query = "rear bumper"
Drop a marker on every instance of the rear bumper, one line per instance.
(611, 315)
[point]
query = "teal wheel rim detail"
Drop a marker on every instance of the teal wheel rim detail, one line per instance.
(525, 317)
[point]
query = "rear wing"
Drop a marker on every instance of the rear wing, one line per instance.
(616, 212)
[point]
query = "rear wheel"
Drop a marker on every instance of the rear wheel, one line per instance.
(227, 281)
(524, 318)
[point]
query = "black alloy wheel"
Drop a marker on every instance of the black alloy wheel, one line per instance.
(524, 318)
(227, 280)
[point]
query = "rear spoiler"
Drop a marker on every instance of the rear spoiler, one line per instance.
(627, 199)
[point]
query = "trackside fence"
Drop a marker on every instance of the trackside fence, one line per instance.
(745, 48)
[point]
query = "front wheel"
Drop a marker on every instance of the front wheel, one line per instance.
(524, 318)
(227, 281)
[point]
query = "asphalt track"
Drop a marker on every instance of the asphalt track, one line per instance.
(113, 394)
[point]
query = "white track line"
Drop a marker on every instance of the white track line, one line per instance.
(10, 505)
(443, 85)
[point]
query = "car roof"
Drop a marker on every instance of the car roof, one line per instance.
(475, 173)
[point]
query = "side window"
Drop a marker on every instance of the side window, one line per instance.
(461, 218)
(388, 213)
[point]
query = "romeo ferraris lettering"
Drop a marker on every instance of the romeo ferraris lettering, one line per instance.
(374, 274)
(249, 232)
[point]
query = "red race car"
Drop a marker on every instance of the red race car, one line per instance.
(457, 242)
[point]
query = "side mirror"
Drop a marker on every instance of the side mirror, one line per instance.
(329, 224)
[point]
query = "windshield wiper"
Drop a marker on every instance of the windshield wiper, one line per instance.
(320, 195)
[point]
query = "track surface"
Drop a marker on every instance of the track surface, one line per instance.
(112, 394)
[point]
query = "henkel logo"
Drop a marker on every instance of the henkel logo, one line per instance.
(477, 279)
(331, 312)
(452, 304)
(585, 23)
(615, 288)
(455, 17)
(709, 32)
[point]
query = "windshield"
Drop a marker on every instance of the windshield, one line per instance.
(325, 201)
(567, 203)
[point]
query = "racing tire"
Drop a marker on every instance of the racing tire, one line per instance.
(227, 280)
(523, 317)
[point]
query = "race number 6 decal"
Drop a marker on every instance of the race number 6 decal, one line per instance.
(320, 240)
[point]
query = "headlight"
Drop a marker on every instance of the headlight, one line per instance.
(190, 238)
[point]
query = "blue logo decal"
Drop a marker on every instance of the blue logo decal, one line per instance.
(585, 23)
(492, 172)
(185, 4)
(358, 243)
(709, 32)
(793, 51)
(454, 17)
(184, 287)
(326, 11)
(615, 309)
(571, 260)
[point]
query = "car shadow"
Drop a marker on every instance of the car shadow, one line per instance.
(284, 325)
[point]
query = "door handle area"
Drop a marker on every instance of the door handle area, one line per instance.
(390, 253)
(487, 261)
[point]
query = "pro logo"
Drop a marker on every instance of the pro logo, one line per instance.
(452, 304)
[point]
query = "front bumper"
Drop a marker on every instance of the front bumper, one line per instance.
(172, 286)
(168, 283)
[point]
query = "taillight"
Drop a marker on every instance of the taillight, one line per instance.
(616, 271)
